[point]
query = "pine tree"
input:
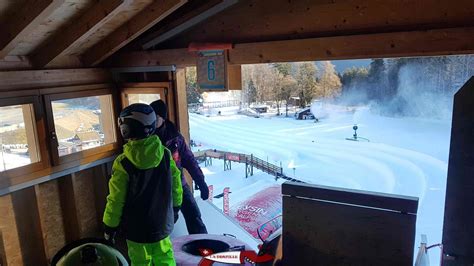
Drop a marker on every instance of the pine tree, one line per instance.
(283, 68)
(192, 91)
(377, 79)
(251, 92)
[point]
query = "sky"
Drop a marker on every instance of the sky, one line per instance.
(342, 65)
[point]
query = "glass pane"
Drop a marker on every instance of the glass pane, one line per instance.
(142, 98)
(83, 123)
(17, 147)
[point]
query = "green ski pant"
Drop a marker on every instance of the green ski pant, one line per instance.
(147, 254)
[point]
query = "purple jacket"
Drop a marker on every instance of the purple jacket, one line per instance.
(182, 154)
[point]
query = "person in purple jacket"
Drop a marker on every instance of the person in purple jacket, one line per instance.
(184, 158)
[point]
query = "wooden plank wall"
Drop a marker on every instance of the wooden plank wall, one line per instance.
(37, 221)
(334, 226)
(458, 231)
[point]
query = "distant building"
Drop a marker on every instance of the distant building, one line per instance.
(260, 109)
(304, 114)
(88, 138)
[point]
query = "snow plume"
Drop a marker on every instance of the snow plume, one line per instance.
(416, 97)
(409, 87)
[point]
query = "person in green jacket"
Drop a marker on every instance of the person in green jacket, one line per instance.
(145, 191)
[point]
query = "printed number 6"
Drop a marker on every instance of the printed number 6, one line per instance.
(211, 71)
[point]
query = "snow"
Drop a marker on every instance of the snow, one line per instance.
(11, 160)
(405, 156)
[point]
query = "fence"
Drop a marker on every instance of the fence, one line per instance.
(249, 160)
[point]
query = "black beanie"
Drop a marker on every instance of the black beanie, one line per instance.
(160, 108)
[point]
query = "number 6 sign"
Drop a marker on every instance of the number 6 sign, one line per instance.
(211, 70)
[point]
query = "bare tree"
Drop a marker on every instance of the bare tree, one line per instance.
(329, 83)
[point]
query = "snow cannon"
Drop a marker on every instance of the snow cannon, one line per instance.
(89, 251)
(355, 137)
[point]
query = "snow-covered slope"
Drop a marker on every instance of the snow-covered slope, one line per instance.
(406, 156)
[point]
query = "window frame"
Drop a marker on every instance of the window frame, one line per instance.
(53, 142)
(162, 88)
(40, 136)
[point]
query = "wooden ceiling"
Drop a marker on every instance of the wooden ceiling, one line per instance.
(274, 20)
(44, 34)
(73, 33)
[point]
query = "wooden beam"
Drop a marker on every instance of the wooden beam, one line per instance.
(178, 57)
(94, 19)
(9, 63)
(151, 15)
(24, 22)
(12, 80)
(186, 21)
(275, 20)
(234, 77)
(383, 45)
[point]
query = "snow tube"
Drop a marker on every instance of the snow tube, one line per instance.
(257, 210)
(186, 248)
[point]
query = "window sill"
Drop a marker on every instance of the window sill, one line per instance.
(10, 183)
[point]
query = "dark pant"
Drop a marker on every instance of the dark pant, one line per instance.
(191, 213)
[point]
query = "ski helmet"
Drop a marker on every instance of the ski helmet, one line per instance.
(137, 121)
(89, 251)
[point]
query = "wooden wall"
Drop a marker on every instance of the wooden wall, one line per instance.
(37, 221)
(48, 208)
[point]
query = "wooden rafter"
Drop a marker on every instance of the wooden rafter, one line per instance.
(186, 21)
(78, 31)
(151, 15)
(24, 22)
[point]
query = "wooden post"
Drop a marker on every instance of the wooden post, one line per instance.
(107, 118)
(8, 227)
(30, 128)
(182, 111)
(68, 208)
(182, 102)
(52, 221)
(458, 230)
(28, 223)
(100, 190)
(84, 197)
(3, 259)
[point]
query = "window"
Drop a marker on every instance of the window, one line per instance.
(148, 92)
(144, 92)
(142, 98)
(81, 124)
(18, 136)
